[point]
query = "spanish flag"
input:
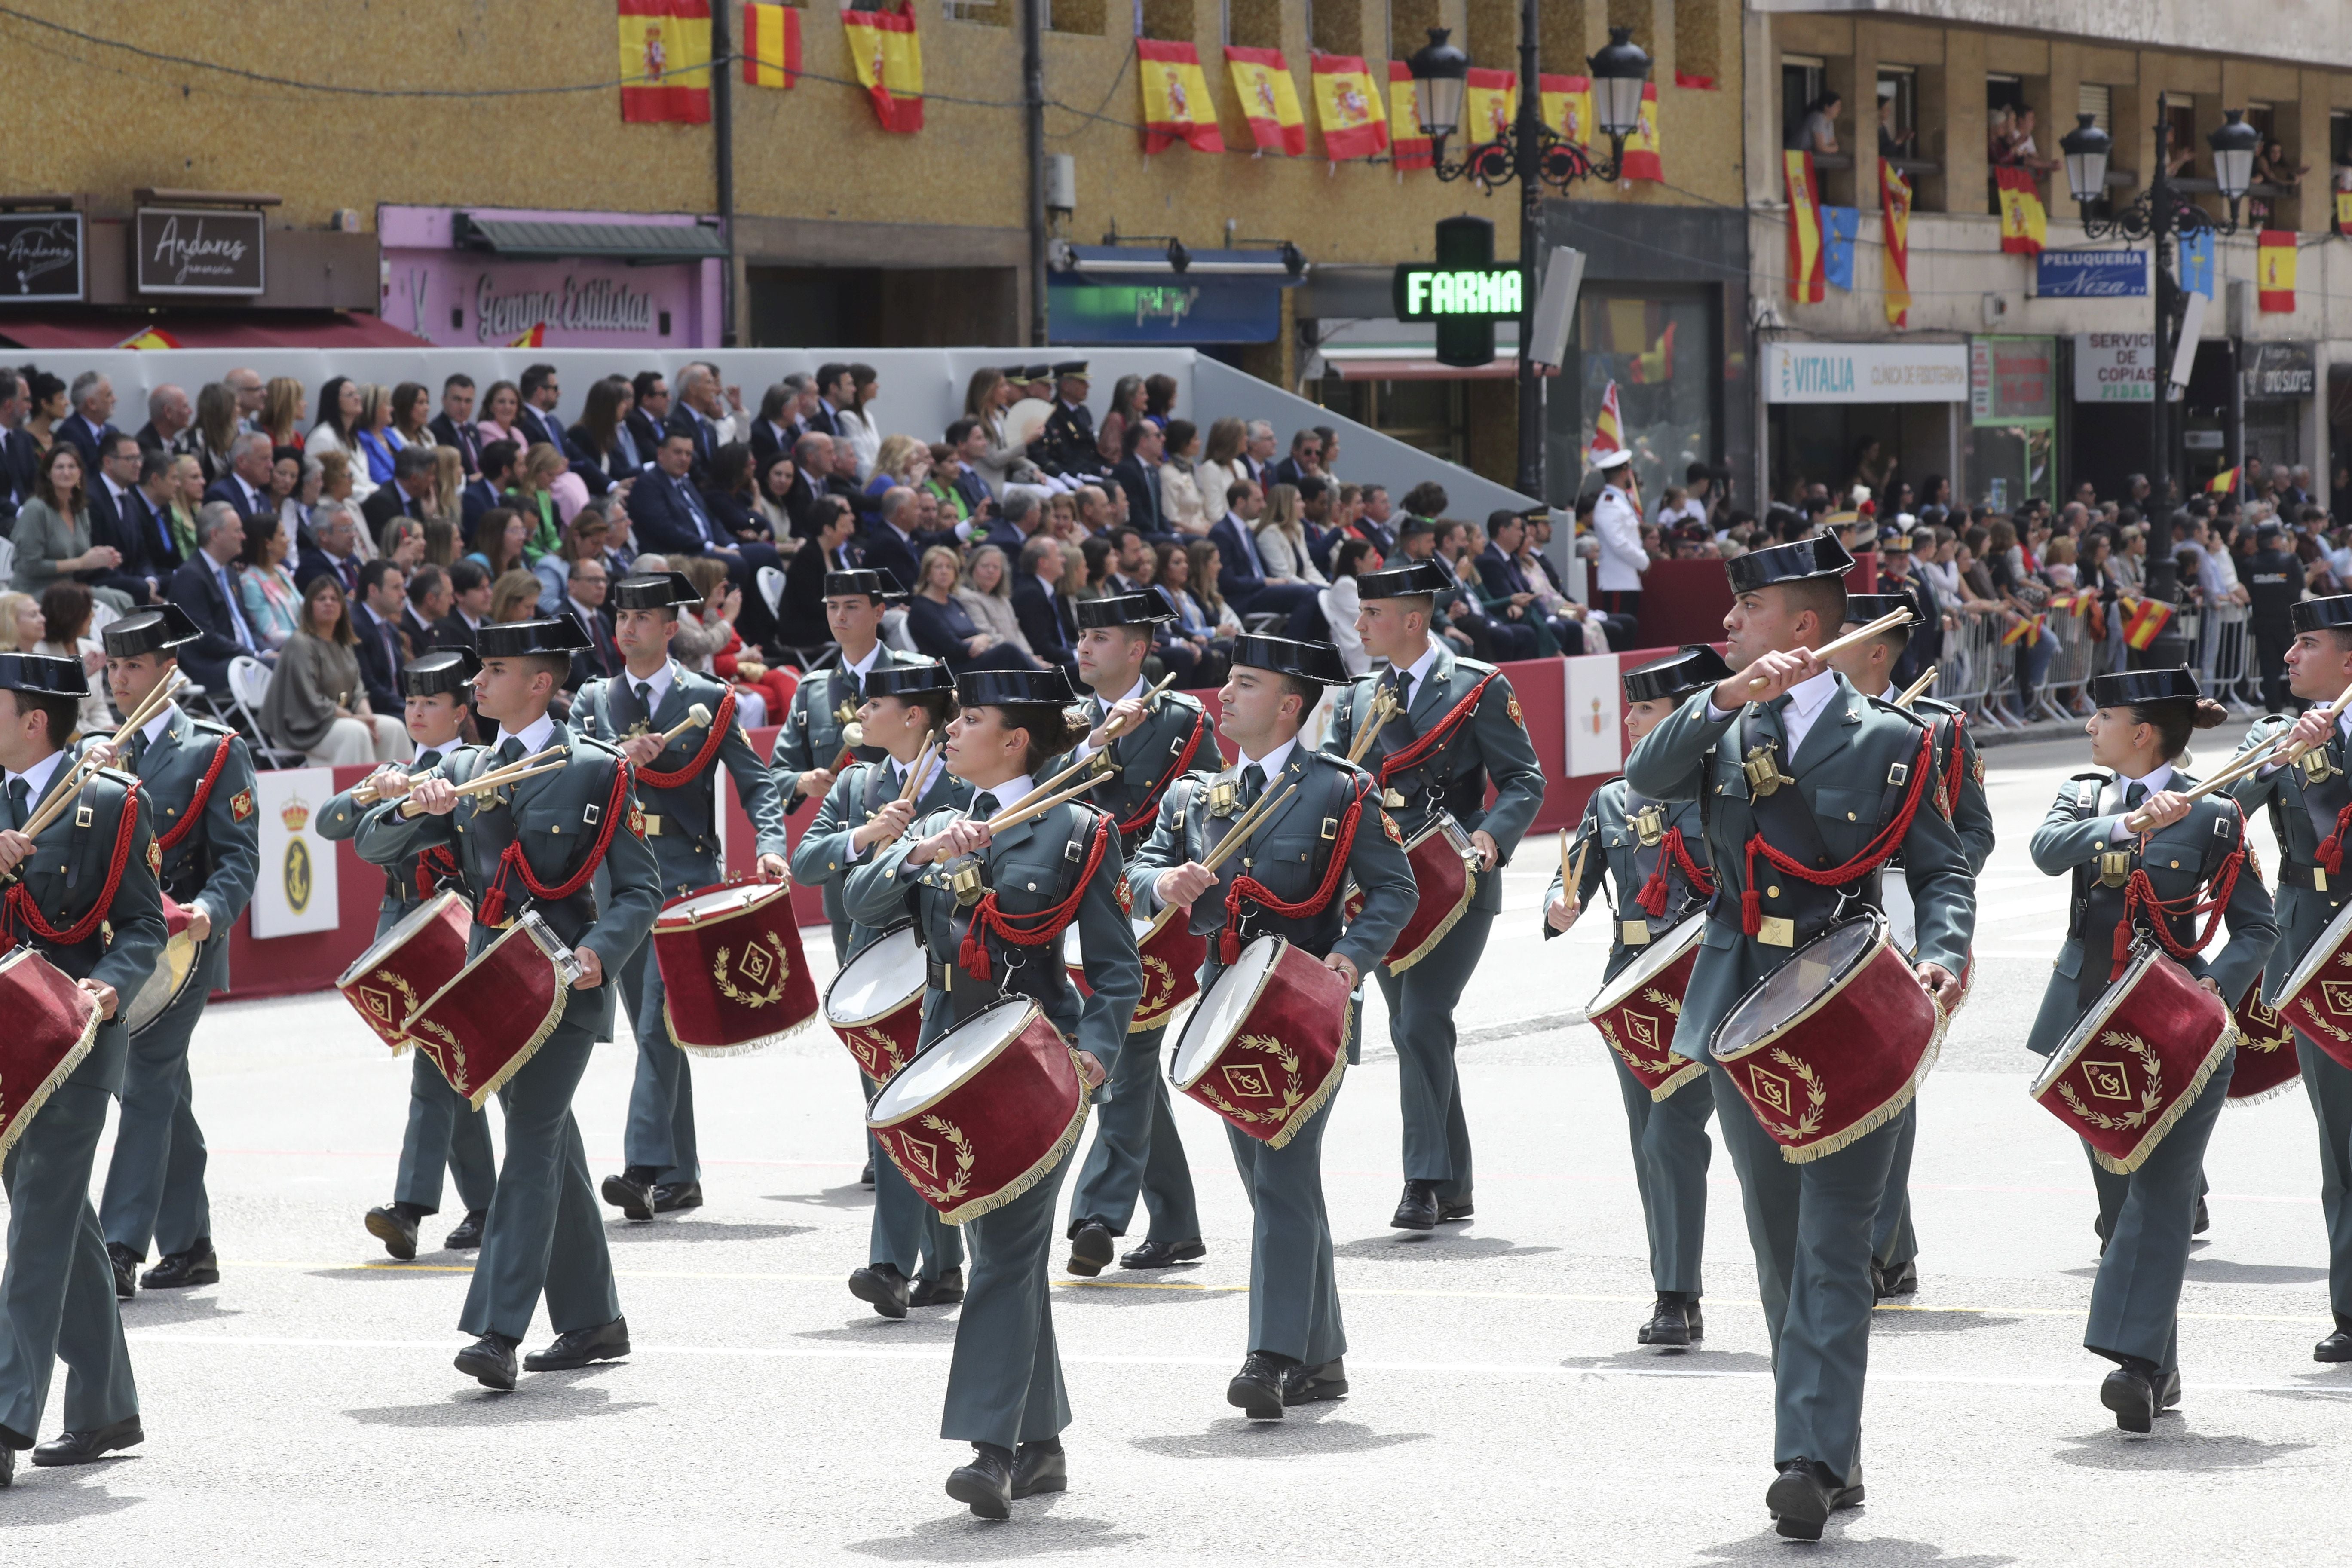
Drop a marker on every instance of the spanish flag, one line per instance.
(1608, 425)
(1347, 107)
(1408, 148)
(535, 338)
(2344, 212)
(149, 338)
(2223, 483)
(2143, 620)
(1641, 161)
(889, 55)
(1656, 364)
(1488, 106)
(1269, 99)
(2024, 225)
(1567, 107)
(772, 45)
(2274, 270)
(1895, 215)
(1176, 106)
(665, 61)
(1807, 256)
(2028, 630)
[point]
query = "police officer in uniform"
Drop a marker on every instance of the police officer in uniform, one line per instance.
(1300, 857)
(1454, 726)
(2186, 851)
(677, 790)
(537, 845)
(913, 1258)
(1137, 1148)
(57, 1300)
(1804, 767)
(1065, 446)
(197, 777)
(442, 1128)
(972, 892)
(2274, 579)
(1656, 851)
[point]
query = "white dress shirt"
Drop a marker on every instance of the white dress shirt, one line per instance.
(1138, 689)
(2156, 782)
(1806, 701)
(533, 736)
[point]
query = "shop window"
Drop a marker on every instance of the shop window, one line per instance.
(1253, 24)
(1170, 19)
(2180, 120)
(1898, 113)
(986, 13)
(2096, 99)
(1336, 26)
(1427, 415)
(1659, 350)
(1074, 15)
(1699, 39)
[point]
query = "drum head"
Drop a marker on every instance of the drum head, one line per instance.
(1222, 1008)
(415, 919)
(1659, 956)
(878, 980)
(717, 902)
(1074, 958)
(2320, 953)
(1793, 988)
(951, 1059)
(2091, 1022)
(163, 987)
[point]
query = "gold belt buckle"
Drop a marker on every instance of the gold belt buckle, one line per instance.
(1636, 932)
(1650, 825)
(1763, 769)
(1777, 930)
(2319, 879)
(2115, 867)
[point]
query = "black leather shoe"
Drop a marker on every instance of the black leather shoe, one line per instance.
(1455, 1208)
(125, 1264)
(986, 1484)
(1314, 1384)
(1090, 1249)
(2337, 1346)
(1162, 1253)
(671, 1198)
(631, 1192)
(2169, 1395)
(1257, 1389)
(7, 1466)
(1799, 1499)
(1903, 1279)
(2204, 1220)
(884, 1285)
(1674, 1323)
(468, 1234)
(490, 1361)
(389, 1226)
(1040, 1467)
(865, 1176)
(175, 1270)
(944, 1291)
(580, 1347)
(2130, 1391)
(81, 1447)
(1417, 1210)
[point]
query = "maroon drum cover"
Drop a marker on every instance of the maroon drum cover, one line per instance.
(876, 1003)
(484, 1026)
(416, 958)
(1267, 1044)
(2138, 1061)
(733, 976)
(1833, 1045)
(1446, 871)
(985, 1113)
(2317, 997)
(1637, 1011)
(51, 1024)
(2267, 1064)
(1171, 958)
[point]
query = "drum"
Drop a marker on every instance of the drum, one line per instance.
(175, 971)
(2317, 997)
(484, 1024)
(1171, 957)
(986, 1113)
(52, 1023)
(1267, 1044)
(1833, 1045)
(2267, 1064)
(733, 976)
(409, 962)
(1445, 870)
(2138, 1060)
(1636, 1012)
(876, 1003)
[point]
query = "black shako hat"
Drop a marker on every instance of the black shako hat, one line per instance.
(899, 680)
(1316, 661)
(1014, 688)
(440, 669)
(872, 582)
(1861, 609)
(1414, 579)
(1802, 562)
(1677, 675)
(1144, 609)
(654, 591)
(41, 675)
(2318, 615)
(2134, 688)
(560, 636)
(158, 630)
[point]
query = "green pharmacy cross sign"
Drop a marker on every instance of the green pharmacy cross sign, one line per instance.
(1463, 291)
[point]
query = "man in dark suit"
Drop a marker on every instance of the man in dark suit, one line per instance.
(93, 403)
(1373, 523)
(1043, 614)
(836, 386)
(969, 439)
(115, 518)
(1137, 473)
(779, 424)
(668, 515)
(586, 586)
(540, 393)
(205, 590)
(891, 544)
(146, 514)
(1306, 458)
(1014, 524)
(469, 607)
(168, 415)
(650, 412)
(409, 494)
(375, 618)
(337, 553)
(453, 426)
(17, 452)
(812, 462)
(696, 416)
(801, 623)
(429, 600)
(487, 489)
(1241, 576)
(246, 486)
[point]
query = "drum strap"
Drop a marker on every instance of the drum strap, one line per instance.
(1030, 931)
(433, 867)
(1796, 820)
(714, 735)
(1953, 761)
(513, 862)
(1434, 737)
(22, 913)
(1183, 766)
(1247, 887)
(167, 842)
(2139, 894)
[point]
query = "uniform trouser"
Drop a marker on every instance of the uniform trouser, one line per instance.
(56, 1296)
(2330, 1085)
(1809, 1226)
(907, 1233)
(443, 1127)
(660, 1133)
(545, 1232)
(1004, 1383)
(1670, 1153)
(1294, 1295)
(155, 1182)
(1892, 1241)
(2146, 1215)
(1137, 1149)
(1421, 1021)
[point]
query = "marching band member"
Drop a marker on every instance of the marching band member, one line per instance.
(537, 845)
(1456, 726)
(1855, 794)
(91, 871)
(1137, 1148)
(2133, 887)
(1656, 851)
(2310, 814)
(1025, 886)
(913, 1258)
(1288, 885)
(677, 790)
(198, 776)
(442, 1128)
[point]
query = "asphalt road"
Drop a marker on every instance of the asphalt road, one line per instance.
(304, 1410)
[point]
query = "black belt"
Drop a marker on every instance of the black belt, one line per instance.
(2313, 879)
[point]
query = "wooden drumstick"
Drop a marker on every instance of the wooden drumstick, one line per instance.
(1886, 623)
(1092, 760)
(1114, 730)
(546, 762)
(2259, 757)
(697, 717)
(1251, 821)
(1035, 806)
(1385, 707)
(1918, 689)
(914, 773)
(141, 716)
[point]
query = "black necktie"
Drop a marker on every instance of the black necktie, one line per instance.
(983, 806)
(426, 758)
(645, 701)
(510, 750)
(2135, 795)
(1253, 783)
(20, 794)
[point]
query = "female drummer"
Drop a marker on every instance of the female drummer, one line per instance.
(2191, 861)
(989, 909)
(1656, 850)
(912, 1259)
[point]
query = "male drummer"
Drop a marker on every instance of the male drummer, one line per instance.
(1960, 795)
(55, 1297)
(2310, 814)
(677, 789)
(1289, 883)
(442, 1125)
(1456, 726)
(536, 845)
(1136, 1147)
(1797, 767)
(197, 777)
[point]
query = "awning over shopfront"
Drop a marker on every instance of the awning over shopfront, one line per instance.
(639, 244)
(1385, 349)
(61, 330)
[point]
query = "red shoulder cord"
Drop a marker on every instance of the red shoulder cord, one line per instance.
(1949, 792)
(23, 913)
(713, 738)
(1398, 761)
(1029, 930)
(167, 842)
(2330, 855)
(1873, 854)
(1672, 853)
(2139, 893)
(1246, 886)
(432, 866)
(1151, 806)
(493, 909)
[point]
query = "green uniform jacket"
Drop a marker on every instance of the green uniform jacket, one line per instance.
(1149, 758)
(811, 736)
(216, 862)
(1617, 851)
(339, 819)
(1972, 818)
(825, 859)
(2302, 911)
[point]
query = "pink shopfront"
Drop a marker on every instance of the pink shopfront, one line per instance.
(484, 277)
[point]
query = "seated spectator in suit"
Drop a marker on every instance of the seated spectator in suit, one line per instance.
(170, 416)
(602, 443)
(584, 588)
(583, 540)
(1039, 604)
(841, 479)
(1305, 460)
(453, 426)
(669, 517)
(337, 525)
(146, 514)
(375, 623)
(245, 487)
(92, 397)
(469, 607)
(488, 488)
(1018, 520)
(943, 628)
(429, 602)
(1138, 474)
(892, 544)
(409, 493)
(1242, 580)
(812, 463)
(207, 589)
(117, 518)
(272, 599)
(650, 390)
(1375, 522)
(802, 623)
(316, 703)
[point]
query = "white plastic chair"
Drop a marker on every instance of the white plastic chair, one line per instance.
(248, 688)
